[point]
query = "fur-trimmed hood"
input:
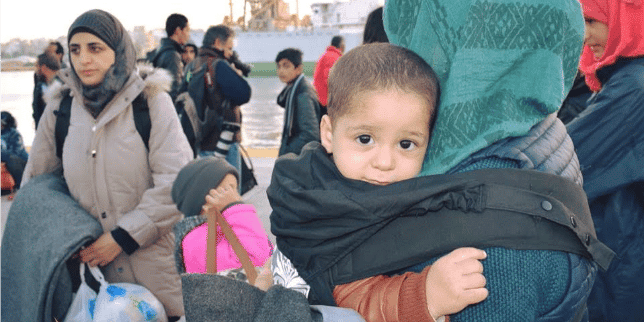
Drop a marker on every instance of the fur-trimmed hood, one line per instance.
(155, 80)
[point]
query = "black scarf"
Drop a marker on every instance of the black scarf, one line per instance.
(285, 100)
(320, 217)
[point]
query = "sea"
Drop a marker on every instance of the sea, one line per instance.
(262, 120)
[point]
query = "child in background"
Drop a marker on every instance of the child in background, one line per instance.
(212, 182)
(302, 111)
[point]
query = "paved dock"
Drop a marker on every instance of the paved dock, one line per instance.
(263, 162)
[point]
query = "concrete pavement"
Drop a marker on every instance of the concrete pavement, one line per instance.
(263, 162)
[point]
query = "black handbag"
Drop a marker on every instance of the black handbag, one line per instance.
(247, 173)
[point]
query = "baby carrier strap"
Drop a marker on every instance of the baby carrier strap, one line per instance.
(522, 210)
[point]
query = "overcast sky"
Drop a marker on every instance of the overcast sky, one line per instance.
(32, 19)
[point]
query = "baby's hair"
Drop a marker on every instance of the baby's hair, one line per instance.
(380, 66)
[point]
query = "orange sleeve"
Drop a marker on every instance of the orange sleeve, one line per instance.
(382, 298)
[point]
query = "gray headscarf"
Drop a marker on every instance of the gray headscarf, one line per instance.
(109, 29)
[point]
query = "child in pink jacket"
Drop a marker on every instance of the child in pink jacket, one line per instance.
(212, 182)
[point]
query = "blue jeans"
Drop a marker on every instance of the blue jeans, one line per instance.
(233, 157)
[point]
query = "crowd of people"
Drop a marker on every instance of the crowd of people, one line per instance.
(441, 171)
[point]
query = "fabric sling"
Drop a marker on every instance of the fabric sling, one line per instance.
(414, 220)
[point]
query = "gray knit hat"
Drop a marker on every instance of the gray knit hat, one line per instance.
(195, 180)
(105, 26)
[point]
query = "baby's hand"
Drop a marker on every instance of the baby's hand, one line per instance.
(222, 197)
(455, 281)
(265, 278)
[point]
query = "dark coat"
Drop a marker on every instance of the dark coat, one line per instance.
(45, 226)
(168, 56)
(609, 139)
(302, 116)
(38, 104)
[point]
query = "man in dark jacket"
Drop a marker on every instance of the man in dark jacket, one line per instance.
(168, 55)
(302, 110)
(47, 66)
(228, 90)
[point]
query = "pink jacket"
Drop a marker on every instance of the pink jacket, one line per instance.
(244, 222)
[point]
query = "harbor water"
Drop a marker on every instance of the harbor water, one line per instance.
(262, 117)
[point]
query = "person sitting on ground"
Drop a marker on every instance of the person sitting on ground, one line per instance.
(302, 113)
(212, 182)
(14, 155)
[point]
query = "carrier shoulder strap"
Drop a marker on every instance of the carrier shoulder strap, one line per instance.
(140, 112)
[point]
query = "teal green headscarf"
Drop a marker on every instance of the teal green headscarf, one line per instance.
(503, 65)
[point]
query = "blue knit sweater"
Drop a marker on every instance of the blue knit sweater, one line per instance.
(522, 284)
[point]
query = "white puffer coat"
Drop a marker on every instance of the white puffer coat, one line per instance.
(112, 175)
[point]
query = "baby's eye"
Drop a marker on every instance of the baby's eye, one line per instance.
(407, 145)
(364, 139)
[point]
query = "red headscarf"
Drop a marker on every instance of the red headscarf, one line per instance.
(625, 20)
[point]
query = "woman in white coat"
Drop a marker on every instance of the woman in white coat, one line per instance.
(105, 162)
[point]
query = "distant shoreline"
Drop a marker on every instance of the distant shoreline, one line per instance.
(17, 68)
(260, 69)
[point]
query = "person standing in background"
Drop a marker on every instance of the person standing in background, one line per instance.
(609, 140)
(374, 30)
(302, 113)
(189, 53)
(322, 68)
(56, 49)
(224, 94)
(168, 55)
(47, 66)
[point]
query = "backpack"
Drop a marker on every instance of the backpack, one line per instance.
(153, 55)
(141, 115)
(204, 111)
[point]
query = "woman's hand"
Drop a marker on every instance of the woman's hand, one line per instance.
(455, 281)
(101, 252)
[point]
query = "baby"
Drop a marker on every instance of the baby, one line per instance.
(377, 131)
(212, 182)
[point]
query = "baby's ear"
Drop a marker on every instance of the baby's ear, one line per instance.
(326, 133)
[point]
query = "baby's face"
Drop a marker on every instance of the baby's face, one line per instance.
(382, 139)
(228, 180)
